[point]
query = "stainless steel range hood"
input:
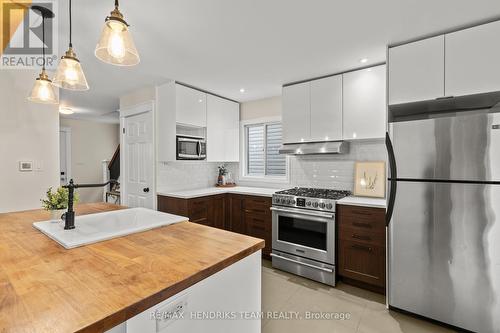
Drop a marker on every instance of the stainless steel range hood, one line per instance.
(312, 148)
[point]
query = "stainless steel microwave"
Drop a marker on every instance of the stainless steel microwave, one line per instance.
(191, 148)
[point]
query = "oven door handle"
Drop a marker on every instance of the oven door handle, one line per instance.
(303, 263)
(303, 212)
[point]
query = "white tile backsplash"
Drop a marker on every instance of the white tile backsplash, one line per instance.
(187, 175)
(322, 171)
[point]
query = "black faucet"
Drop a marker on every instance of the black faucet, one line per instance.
(69, 216)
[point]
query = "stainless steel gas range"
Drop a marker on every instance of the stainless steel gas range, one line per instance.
(304, 232)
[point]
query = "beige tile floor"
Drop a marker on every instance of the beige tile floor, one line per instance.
(284, 293)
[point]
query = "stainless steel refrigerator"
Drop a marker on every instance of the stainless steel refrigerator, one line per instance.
(444, 218)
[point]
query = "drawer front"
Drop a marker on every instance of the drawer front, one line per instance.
(362, 217)
(362, 262)
(362, 235)
(258, 205)
(259, 226)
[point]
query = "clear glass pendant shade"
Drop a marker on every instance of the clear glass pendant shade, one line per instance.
(70, 75)
(116, 45)
(43, 91)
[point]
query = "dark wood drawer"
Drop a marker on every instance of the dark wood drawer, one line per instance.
(362, 262)
(362, 217)
(362, 235)
(258, 205)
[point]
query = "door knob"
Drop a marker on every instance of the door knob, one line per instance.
(146, 189)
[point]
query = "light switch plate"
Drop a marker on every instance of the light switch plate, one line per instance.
(25, 166)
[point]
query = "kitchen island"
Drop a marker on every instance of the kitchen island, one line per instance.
(113, 284)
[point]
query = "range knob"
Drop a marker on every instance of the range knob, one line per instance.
(329, 206)
(283, 200)
(308, 203)
(292, 202)
(315, 204)
(322, 205)
(289, 202)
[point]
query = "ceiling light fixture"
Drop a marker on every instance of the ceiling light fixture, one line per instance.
(116, 45)
(43, 90)
(242, 90)
(363, 60)
(69, 74)
(66, 110)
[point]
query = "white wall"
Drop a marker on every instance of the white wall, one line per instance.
(28, 131)
(91, 143)
(262, 108)
(138, 96)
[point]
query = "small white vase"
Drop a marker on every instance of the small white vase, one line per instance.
(55, 215)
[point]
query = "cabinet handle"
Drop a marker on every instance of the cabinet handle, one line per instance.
(367, 238)
(361, 247)
(199, 220)
(362, 225)
(260, 211)
(361, 212)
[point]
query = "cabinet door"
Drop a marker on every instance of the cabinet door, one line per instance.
(223, 130)
(326, 109)
(296, 113)
(191, 106)
(236, 221)
(472, 60)
(362, 262)
(416, 71)
(217, 211)
(364, 103)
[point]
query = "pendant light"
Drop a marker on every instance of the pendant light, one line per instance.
(116, 46)
(69, 74)
(43, 91)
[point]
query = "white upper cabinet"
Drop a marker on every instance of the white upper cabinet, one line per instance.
(416, 71)
(473, 60)
(191, 106)
(296, 113)
(365, 103)
(223, 124)
(326, 109)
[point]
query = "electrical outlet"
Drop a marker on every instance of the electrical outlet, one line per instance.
(171, 312)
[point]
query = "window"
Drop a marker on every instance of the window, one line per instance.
(262, 144)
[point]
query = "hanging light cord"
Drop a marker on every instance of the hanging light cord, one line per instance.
(43, 41)
(116, 3)
(70, 25)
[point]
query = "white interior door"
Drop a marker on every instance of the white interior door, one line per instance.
(139, 160)
(65, 154)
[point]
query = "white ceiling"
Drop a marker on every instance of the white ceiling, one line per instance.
(224, 45)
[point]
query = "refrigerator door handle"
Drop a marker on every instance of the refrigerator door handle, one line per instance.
(392, 179)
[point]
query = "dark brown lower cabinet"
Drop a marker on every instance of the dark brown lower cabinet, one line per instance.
(209, 210)
(361, 246)
(244, 214)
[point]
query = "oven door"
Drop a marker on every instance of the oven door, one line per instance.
(308, 234)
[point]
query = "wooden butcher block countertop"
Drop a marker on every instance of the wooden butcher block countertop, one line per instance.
(46, 288)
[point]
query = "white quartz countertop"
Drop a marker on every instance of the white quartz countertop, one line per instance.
(202, 192)
(363, 201)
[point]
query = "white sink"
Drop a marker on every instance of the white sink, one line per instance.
(98, 227)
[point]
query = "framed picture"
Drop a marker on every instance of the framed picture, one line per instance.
(369, 179)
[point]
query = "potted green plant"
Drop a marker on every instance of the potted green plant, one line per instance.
(56, 202)
(221, 179)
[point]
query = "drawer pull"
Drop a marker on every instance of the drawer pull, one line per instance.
(367, 238)
(259, 211)
(362, 225)
(361, 212)
(361, 247)
(199, 220)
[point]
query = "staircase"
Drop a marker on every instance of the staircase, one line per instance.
(111, 170)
